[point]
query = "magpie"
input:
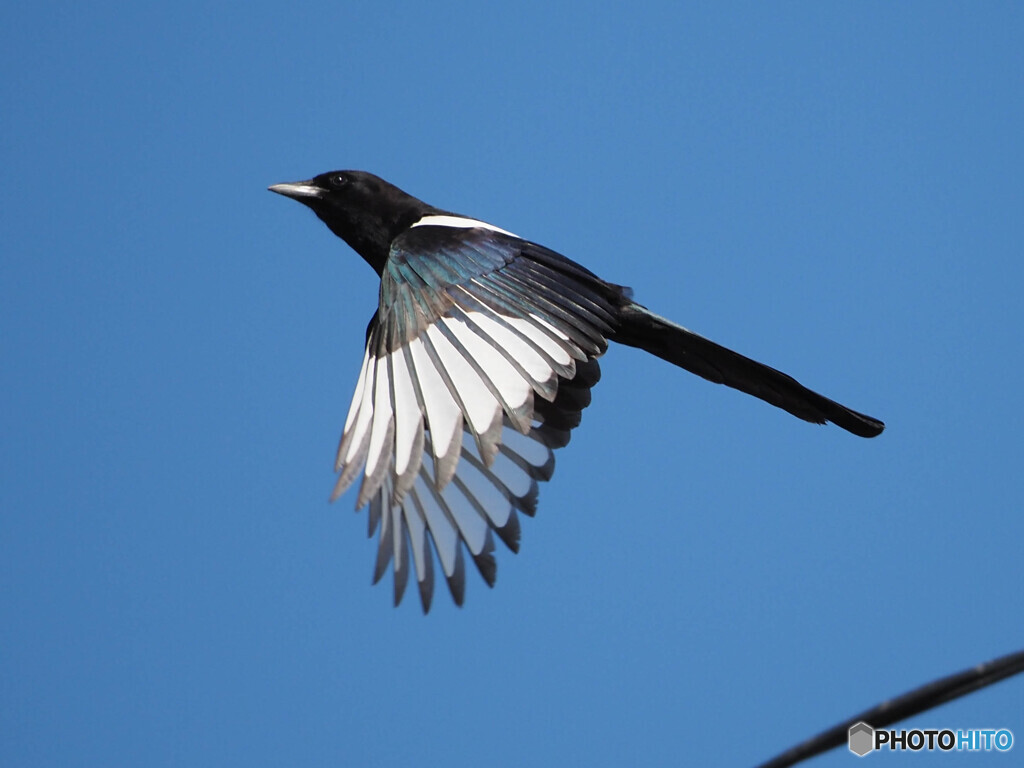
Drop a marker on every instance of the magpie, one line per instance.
(479, 361)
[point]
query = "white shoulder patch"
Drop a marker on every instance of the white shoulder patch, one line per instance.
(459, 222)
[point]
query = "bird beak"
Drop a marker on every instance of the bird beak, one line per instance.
(297, 190)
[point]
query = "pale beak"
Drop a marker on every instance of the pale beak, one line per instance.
(297, 190)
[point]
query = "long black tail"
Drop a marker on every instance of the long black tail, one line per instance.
(639, 327)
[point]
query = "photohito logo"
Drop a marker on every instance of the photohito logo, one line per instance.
(863, 739)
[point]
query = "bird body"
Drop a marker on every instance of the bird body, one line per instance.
(479, 361)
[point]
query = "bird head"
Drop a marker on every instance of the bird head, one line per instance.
(362, 209)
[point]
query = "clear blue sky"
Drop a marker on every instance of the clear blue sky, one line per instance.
(834, 189)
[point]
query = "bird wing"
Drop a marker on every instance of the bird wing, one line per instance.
(478, 363)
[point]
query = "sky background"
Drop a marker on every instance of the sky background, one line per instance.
(834, 189)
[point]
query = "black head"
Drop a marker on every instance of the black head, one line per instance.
(360, 208)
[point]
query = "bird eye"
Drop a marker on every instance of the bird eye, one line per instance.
(338, 180)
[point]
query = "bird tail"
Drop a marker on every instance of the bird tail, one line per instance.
(639, 327)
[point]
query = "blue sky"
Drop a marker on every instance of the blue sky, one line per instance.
(834, 189)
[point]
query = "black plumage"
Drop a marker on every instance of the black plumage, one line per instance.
(479, 362)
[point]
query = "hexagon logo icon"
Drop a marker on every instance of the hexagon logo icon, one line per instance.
(861, 739)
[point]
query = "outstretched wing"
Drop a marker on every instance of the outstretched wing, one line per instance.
(477, 365)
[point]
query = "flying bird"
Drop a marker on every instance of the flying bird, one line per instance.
(479, 361)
